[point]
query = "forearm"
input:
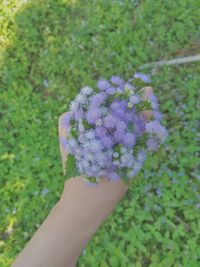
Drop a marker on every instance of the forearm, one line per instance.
(51, 245)
(65, 232)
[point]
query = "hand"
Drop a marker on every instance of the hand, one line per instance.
(105, 190)
(106, 193)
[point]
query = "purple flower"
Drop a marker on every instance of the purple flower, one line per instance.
(137, 167)
(152, 144)
(116, 104)
(111, 90)
(113, 176)
(103, 84)
(129, 86)
(92, 115)
(100, 131)
(129, 140)
(141, 156)
(86, 90)
(81, 126)
(123, 149)
(145, 78)
(106, 142)
(90, 134)
(95, 146)
(85, 164)
(116, 80)
(120, 125)
(154, 127)
(110, 122)
(98, 122)
(130, 116)
(98, 99)
(81, 138)
(157, 115)
(154, 101)
(139, 125)
(118, 135)
(158, 192)
(115, 155)
(134, 99)
(120, 113)
(127, 160)
(79, 114)
(80, 98)
(71, 145)
(197, 206)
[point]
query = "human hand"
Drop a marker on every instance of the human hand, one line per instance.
(113, 191)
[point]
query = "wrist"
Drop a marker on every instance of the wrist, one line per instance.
(84, 208)
(104, 194)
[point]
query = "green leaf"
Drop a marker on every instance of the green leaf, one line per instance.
(71, 169)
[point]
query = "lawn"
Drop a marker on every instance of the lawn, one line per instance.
(49, 49)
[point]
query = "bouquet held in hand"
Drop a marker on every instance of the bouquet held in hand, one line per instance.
(108, 134)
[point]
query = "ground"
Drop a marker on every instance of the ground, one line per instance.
(48, 50)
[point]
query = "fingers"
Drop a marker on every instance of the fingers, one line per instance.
(147, 92)
(62, 132)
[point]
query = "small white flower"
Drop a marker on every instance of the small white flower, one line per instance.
(130, 105)
(74, 106)
(116, 162)
(90, 156)
(80, 125)
(134, 99)
(85, 164)
(45, 83)
(90, 135)
(80, 168)
(99, 122)
(123, 150)
(104, 110)
(115, 155)
(86, 90)
(80, 98)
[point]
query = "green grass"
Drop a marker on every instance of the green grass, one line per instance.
(48, 50)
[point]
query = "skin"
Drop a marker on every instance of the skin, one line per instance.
(75, 218)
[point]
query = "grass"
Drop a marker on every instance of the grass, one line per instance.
(49, 49)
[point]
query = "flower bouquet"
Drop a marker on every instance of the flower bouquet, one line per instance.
(107, 132)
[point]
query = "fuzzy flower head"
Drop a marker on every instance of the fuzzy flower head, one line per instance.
(103, 84)
(145, 78)
(116, 80)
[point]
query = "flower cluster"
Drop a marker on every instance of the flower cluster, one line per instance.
(107, 130)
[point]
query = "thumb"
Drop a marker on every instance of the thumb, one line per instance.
(62, 132)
